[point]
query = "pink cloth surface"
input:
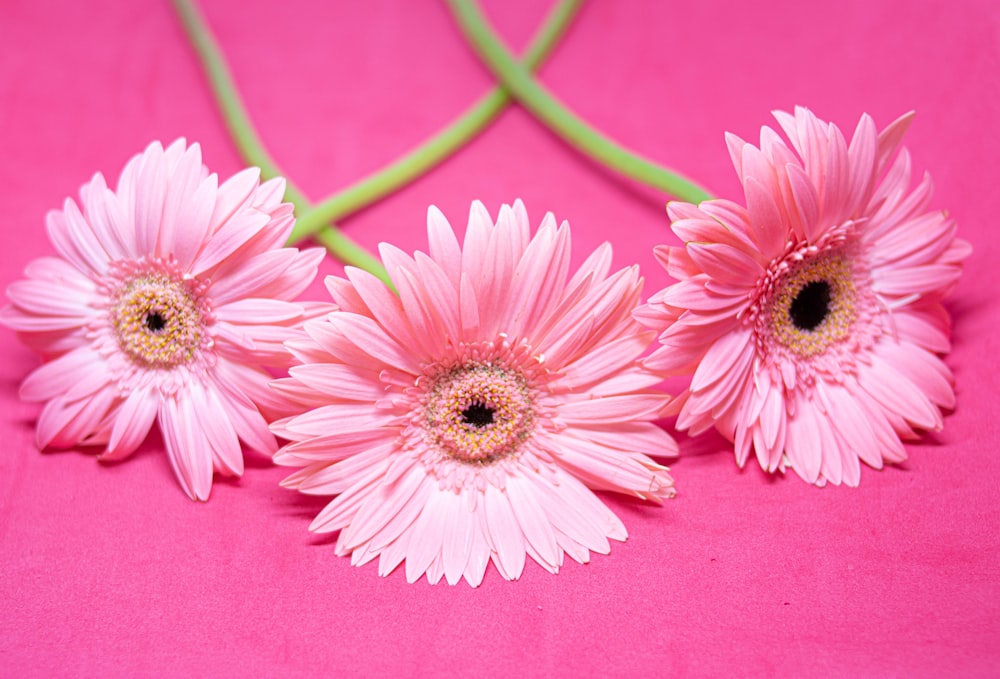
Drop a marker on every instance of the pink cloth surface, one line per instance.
(110, 570)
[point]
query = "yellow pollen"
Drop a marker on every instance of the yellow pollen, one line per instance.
(814, 305)
(157, 321)
(479, 413)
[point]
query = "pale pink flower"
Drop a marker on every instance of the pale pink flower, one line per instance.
(467, 418)
(168, 296)
(812, 318)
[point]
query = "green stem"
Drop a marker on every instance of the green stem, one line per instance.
(439, 147)
(248, 141)
(519, 82)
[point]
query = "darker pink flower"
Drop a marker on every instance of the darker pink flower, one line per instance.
(467, 419)
(169, 295)
(812, 318)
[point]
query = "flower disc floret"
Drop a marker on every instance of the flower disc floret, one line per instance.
(159, 316)
(479, 413)
(812, 306)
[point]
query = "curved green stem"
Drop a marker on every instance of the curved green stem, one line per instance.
(248, 141)
(442, 145)
(544, 106)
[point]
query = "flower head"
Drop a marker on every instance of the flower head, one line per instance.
(169, 295)
(466, 419)
(811, 319)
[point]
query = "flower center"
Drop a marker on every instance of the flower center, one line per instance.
(155, 322)
(811, 306)
(814, 304)
(479, 412)
(478, 415)
(157, 319)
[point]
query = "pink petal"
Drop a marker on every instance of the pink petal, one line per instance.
(597, 265)
(317, 422)
(897, 394)
(389, 510)
(425, 324)
(504, 532)
(186, 209)
(595, 367)
(459, 533)
(235, 194)
(369, 337)
(218, 430)
(63, 308)
(835, 181)
(567, 518)
(538, 281)
(440, 296)
(804, 211)
(890, 138)
(58, 376)
(735, 146)
(723, 358)
(259, 310)
(492, 283)
(930, 375)
(479, 556)
(862, 158)
(340, 381)
(915, 280)
(533, 522)
(189, 452)
(676, 261)
(403, 509)
(444, 248)
(96, 199)
(606, 469)
(803, 444)
(725, 263)
(768, 225)
(468, 309)
(927, 328)
(64, 423)
(343, 509)
(340, 476)
(149, 191)
(427, 536)
(132, 424)
(337, 445)
(477, 236)
(234, 233)
(613, 409)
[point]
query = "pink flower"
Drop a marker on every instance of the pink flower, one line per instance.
(466, 419)
(169, 295)
(812, 319)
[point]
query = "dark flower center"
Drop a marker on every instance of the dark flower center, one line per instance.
(158, 319)
(155, 322)
(478, 415)
(810, 306)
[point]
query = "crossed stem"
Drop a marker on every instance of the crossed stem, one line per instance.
(555, 115)
(317, 220)
(516, 80)
(248, 142)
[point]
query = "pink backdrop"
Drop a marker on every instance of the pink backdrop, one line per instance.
(111, 570)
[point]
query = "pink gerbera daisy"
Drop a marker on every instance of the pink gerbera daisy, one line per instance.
(812, 318)
(466, 419)
(169, 295)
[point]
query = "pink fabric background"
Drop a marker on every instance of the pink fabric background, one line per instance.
(110, 570)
